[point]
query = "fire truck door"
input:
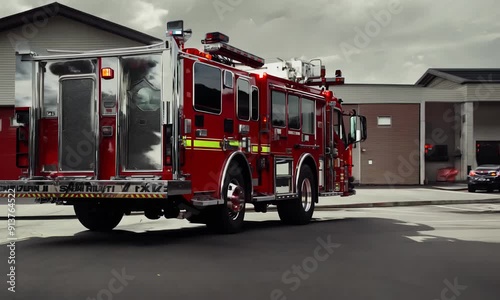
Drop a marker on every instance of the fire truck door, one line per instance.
(331, 120)
(140, 121)
(69, 116)
(78, 123)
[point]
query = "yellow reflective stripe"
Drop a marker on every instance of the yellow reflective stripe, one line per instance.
(188, 143)
(206, 144)
(255, 148)
(266, 149)
(234, 143)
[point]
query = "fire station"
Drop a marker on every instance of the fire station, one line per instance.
(445, 120)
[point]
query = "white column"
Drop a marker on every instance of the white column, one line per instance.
(467, 141)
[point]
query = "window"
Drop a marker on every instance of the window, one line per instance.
(255, 103)
(243, 99)
(308, 119)
(293, 112)
(228, 79)
(337, 123)
(278, 100)
(207, 89)
(385, 121)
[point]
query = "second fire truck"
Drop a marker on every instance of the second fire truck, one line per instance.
(175, 131)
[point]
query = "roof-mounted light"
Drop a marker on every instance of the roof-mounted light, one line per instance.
(215, 37)
(175, 28)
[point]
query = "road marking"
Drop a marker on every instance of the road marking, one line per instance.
(396, 209)
(421, 238)
(456, 221)
(456, 208)
(408, 224)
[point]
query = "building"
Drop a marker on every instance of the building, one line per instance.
(447, 119)
(53, 26)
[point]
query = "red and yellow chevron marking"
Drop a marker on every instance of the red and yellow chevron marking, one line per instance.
(143, 196)
(29, 195)
(84, 195)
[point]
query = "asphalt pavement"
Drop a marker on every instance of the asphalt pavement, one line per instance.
(426, 252)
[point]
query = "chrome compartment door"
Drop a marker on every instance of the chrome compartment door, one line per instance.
(77, 123)
(141, 113)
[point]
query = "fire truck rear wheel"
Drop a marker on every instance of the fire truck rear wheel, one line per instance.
(98, 217)
(299, 211)
(229, 218)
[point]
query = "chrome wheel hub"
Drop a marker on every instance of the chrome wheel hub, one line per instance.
(235, 199)
(306, 195)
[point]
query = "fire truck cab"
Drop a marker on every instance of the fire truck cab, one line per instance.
(180, 132)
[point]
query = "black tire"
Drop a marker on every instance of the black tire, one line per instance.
(98, 217)
(471, 189)
(296, 212)
(229, 218)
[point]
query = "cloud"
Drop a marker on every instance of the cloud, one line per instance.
(147, 16)
(426, 33)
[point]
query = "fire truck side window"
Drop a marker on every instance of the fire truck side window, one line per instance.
(336, 123)
(207, 88)
(308, 119)
(243, 99)
(293, 112)
(278, 100)
(255, 103)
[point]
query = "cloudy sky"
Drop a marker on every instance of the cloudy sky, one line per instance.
(372, 41)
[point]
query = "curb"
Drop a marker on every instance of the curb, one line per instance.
(318, 207)
(407, 203)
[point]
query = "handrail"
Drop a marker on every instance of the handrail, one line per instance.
(107, 50)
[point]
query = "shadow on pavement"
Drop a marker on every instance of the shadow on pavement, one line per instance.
(353, 258)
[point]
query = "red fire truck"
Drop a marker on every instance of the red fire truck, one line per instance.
(179, 132)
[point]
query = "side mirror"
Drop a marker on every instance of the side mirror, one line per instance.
(358, 129)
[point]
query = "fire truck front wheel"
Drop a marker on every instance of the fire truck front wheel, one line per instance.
(299, 211)
(98, 217)
(229, 218)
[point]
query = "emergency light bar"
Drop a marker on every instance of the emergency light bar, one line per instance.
(327, 81)
(234, 53)
(215, 37)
